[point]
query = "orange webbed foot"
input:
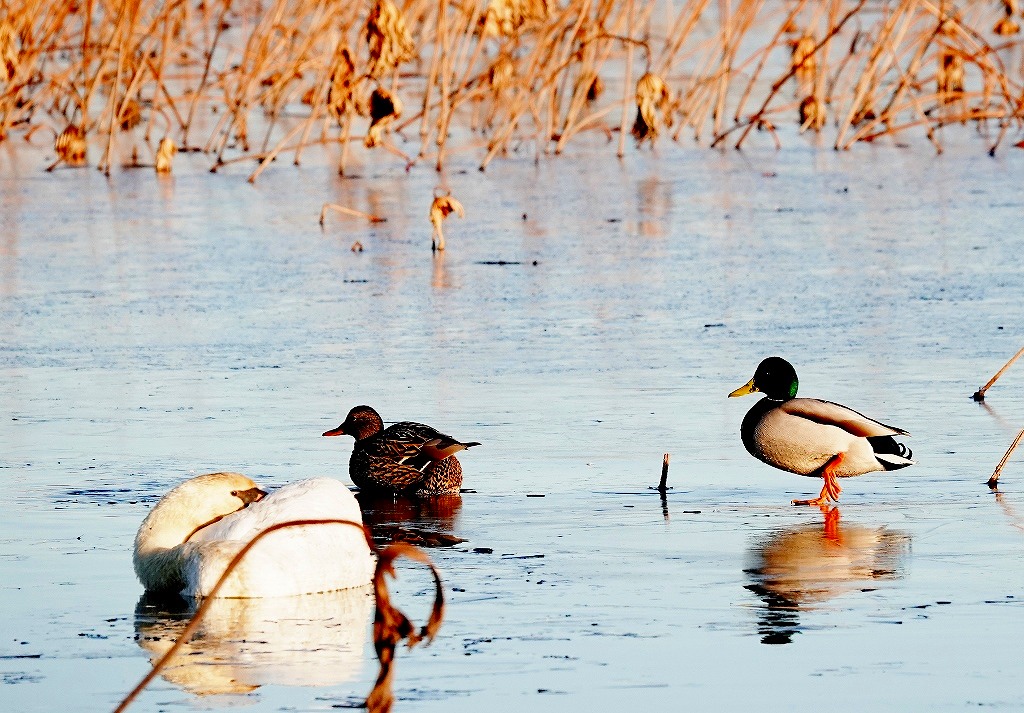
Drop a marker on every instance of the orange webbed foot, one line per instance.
(830, 490)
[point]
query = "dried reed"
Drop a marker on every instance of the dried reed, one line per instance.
(348, 211)
(254, 80)
(994, 479)
(979, 395)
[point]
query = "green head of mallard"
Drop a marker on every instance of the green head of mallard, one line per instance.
(775, 378)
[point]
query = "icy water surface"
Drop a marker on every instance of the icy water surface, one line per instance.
(588, 317)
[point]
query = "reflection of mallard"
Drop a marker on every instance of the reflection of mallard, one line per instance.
(811, 437)
(797, 568)
(242, 644)
(426, 522)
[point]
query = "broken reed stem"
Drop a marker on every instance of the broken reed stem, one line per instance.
(992, 481)
(390, 625)
(349, 211)
(979, 395)
(663, 485)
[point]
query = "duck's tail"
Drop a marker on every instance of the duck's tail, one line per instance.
(892, 454)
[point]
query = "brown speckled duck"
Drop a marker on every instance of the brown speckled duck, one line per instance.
(407, 457)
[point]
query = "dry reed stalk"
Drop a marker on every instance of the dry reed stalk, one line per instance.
(390, 625)
(445, 77)
(679, 33)
(435, 65)
(627, 79)
(561, 61)
(348, 211)
(994, 478)
(979, 395)
(892, 108)
(221, 26)
(788, 21)
(897, 24)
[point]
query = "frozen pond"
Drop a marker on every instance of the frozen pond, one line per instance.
(587, 317)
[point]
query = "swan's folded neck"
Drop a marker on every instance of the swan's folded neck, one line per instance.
(162, 546)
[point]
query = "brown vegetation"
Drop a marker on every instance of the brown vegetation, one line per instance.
(252, 81)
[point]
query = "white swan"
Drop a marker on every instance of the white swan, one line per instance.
(187, 540)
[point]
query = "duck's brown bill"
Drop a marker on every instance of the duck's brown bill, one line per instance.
(339, 431)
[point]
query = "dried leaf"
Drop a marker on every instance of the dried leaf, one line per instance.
(652, 95)
(165, 155)
(802, 59)
(71, 146)
(130, 116)
(1005, 27)
(385, 107)
(812, 113)
(9, 51)
(950, 75)
(501, 73)
(441, 208)
(340, 94)
(508, 17)
(388, 37)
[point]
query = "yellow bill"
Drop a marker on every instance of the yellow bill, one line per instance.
(747, 388)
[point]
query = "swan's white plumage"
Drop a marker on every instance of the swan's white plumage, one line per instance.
(300, 560)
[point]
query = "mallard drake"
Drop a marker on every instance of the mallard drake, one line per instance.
(407, 457)
(189, 537)
(811, 437)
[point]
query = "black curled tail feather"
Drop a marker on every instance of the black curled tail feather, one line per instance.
(889, 446)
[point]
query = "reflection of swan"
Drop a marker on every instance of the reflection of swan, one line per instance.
(797, 568)
(305, 640)
(187, 540)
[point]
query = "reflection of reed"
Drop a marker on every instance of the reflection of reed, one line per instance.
(1015, 519)
(439, 277)
(797, 568)
(242, 644)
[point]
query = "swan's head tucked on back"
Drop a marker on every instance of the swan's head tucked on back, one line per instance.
(179, 515)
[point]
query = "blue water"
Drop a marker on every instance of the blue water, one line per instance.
(155, 329)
